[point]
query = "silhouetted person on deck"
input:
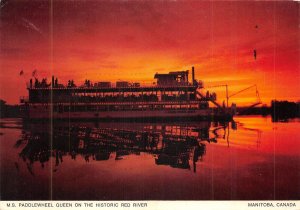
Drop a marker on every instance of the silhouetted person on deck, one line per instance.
(36, 83)
(207, 94)
(254, 53)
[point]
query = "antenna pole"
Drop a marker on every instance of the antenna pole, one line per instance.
(227, 98)
(193, 75)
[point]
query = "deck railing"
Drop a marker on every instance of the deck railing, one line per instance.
(113, 86)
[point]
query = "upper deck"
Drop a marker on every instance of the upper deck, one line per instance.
(172, 81)
(172, 86)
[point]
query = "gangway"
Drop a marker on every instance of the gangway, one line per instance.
(234, 94)
(211, 100)
(257, 95)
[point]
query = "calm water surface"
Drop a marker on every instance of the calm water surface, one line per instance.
(250, 158)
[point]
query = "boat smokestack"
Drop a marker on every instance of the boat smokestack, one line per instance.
(193, 75)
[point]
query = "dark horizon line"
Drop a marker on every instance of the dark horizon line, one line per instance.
(263, 105)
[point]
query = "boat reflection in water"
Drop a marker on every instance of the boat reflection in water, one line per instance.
(150, 160)
(174, 145)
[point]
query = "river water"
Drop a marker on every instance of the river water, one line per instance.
(251, 158)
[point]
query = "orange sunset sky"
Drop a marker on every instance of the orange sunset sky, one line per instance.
(132, 40)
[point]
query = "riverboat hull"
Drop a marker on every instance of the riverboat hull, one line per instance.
(201, 114)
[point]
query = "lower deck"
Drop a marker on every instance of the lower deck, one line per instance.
(193, 109)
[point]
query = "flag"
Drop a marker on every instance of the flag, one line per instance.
(34, 72)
